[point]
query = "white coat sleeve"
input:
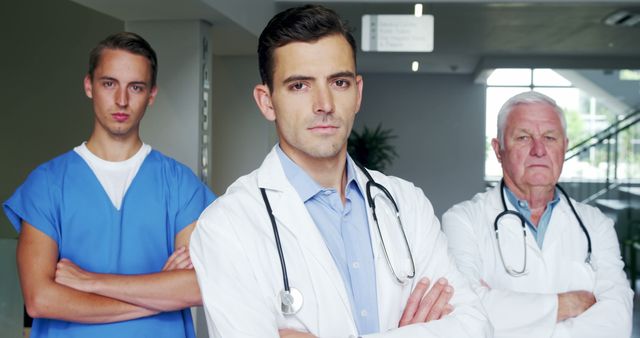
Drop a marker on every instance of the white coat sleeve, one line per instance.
(433, 261)
(513, 314)
(612, 314)
(232, 301)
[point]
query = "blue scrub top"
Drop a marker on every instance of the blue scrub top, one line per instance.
(64, 199)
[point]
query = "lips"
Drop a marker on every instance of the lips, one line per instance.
(323, 129)
(120, 117)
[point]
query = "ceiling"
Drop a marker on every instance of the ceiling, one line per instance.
(470, 36)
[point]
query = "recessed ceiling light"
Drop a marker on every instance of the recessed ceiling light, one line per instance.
(417, 10)
(415, 65)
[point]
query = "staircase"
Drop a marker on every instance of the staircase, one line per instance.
(615, 154)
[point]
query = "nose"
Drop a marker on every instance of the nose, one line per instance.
(122, 97)
(538, 148)
(323, 101)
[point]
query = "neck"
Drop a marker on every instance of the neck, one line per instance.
(330, 172)
(537, 197)
(114, 149)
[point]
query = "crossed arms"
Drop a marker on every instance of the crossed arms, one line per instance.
(62, 290)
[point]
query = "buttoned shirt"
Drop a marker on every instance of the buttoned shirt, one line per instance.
(523, 208)
(345, 229)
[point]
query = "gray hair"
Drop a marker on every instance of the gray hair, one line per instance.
(530, 97)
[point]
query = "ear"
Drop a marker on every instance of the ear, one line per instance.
(262, 95)
(359, 85)
(88, 86)
(152, 95)
(495, 144)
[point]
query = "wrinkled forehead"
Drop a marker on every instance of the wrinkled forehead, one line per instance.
(534, 116)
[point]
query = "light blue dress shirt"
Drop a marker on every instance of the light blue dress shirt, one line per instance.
(345, 229)
(543, 224)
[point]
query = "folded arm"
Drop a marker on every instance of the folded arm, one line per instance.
(37, 256)
(172, 289)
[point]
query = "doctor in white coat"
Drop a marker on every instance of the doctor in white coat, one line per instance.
(552, 290)
(330, 244)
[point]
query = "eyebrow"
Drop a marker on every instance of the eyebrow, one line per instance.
(108, 78)
(294, 78)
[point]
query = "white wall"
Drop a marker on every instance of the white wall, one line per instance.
(241, 135)
(45, 55)
(439, 122)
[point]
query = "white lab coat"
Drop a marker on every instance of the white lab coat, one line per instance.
(235, 257)
(526, 306)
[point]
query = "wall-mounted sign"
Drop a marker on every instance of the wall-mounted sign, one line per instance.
(397, 33)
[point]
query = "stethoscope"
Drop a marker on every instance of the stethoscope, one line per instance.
(291, 299)
(517, 273)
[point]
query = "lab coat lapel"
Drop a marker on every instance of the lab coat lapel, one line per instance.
(511, 236)
(389, 291)
(292, 216)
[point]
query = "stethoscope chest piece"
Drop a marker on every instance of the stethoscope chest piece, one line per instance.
(290, 301)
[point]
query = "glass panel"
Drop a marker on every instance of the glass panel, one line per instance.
(547, 77)
(510, 77)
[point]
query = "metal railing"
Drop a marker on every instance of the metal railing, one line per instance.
(612, 149)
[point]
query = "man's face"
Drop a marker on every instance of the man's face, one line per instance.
(534, 147)
(121, 91)
(315, 97)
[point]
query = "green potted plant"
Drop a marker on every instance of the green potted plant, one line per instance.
(372, 147)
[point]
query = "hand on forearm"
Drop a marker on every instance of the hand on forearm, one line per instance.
(288, 333)
(574, 303)
(180, 259)
(423, 306)
(70, 275)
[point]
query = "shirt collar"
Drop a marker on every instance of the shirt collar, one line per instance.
(304, 184)
(523, 204)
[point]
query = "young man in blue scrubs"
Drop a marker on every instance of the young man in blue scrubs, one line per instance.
(104, 228)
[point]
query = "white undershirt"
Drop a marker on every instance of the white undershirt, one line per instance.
(115, 177)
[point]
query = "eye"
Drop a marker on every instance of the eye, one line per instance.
(108, 84)
(550, 138)
(523, 138)
(296, 86)
(137, 88)
(342, 83)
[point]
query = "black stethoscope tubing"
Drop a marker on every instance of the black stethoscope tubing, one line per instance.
(522, 219)
(285, 276)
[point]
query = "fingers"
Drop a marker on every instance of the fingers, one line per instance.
(180, 259)
(413, 302)
(429, 300)
(447, 310)
(437, 311)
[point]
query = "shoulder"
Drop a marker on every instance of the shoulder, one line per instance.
(240, 196)
(55, 169)
(170, 167)
(471, 209)
(590, 213)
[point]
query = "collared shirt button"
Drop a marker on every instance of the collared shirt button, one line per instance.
(522, 204)
(356, 265)
(364, 313)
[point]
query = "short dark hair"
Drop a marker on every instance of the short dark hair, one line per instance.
(127, 41)
(299, 24)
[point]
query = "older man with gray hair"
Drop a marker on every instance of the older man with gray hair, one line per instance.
(543, 264)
